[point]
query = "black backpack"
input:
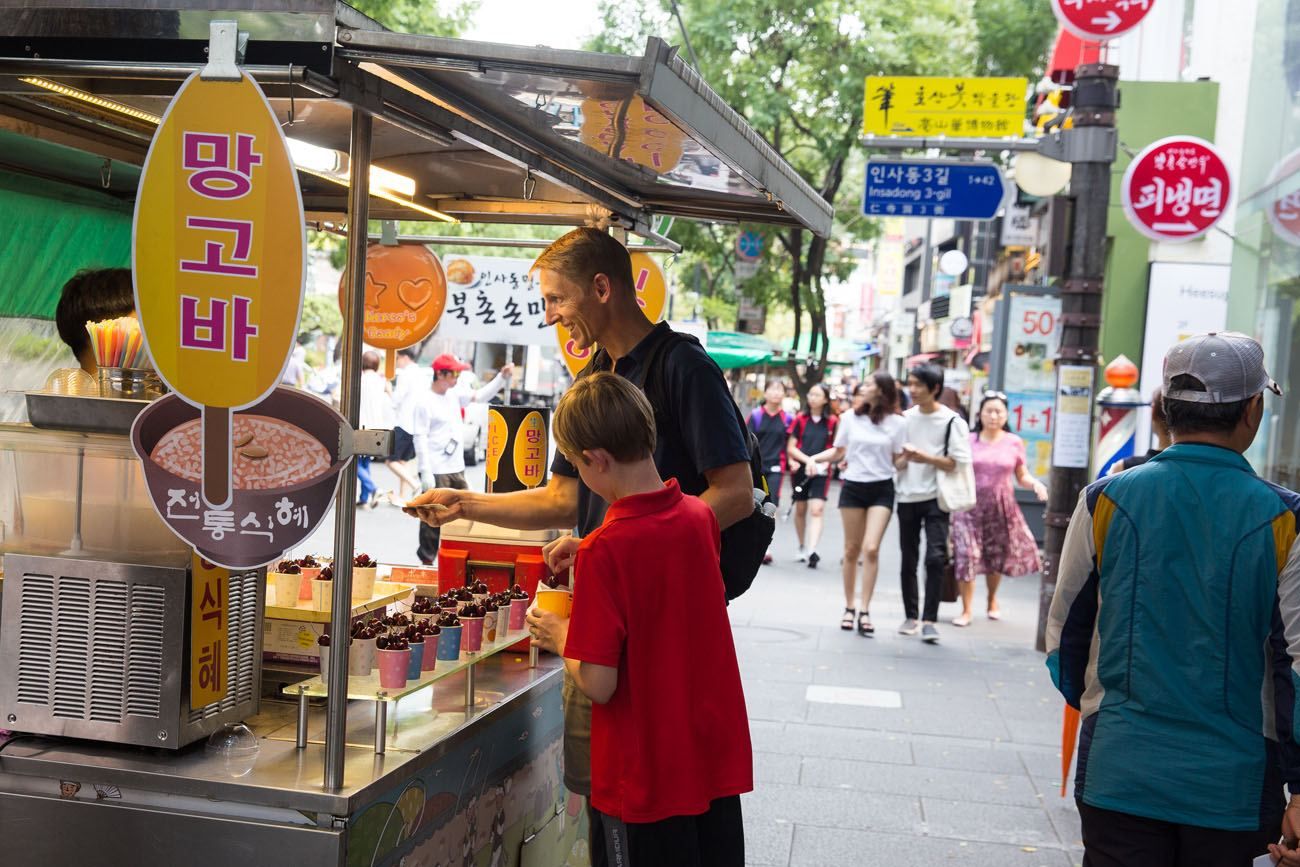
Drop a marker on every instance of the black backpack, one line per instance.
(745, 542)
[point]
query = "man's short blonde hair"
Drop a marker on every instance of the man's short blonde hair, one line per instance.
(604, 411)
(580, 255)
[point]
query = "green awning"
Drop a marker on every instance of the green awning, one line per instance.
(730, 349)
(842, 349)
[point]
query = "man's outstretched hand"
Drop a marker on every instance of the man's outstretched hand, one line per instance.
(436, 507)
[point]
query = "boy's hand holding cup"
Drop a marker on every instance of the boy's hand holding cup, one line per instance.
(549, 628)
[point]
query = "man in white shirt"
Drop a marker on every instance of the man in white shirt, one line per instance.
(937, 440)
(437, 428)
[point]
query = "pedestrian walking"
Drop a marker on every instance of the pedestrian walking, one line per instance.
(376, 414)
(812, 431)
(654, 675)
(438, 433)
(1175, 630)
(769, 423)
(410, 384)
(937, 441)
(993, 539)
(871, 437)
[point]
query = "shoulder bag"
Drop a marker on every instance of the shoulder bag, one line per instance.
(956, 488)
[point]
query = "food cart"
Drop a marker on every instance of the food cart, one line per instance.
(465, 765)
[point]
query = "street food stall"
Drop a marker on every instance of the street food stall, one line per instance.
(124, 547)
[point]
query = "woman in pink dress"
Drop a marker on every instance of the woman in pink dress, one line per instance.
(992, 539)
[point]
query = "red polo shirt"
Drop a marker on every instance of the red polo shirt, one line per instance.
(648, 600)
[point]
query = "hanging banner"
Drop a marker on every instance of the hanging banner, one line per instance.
(1176, 189)
(493, 299)
(651, 294)
(218, 258)
(1073, 437)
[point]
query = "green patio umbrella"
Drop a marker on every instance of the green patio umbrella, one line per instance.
(731, 349)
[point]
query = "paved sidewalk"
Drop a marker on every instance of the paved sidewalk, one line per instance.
(889, 751)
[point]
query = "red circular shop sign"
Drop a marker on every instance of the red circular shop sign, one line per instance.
(1176, 189)
(1100, 19)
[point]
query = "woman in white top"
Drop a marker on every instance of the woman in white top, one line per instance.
(872, 437)
(376, 413)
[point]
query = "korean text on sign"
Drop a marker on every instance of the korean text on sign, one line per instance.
(209, 632)
(956, 107)
(1176, 189)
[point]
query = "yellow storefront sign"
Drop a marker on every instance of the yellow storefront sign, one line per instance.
(209, 632)
(956, 107)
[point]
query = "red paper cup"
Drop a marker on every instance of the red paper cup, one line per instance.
(392, 668)
(472, 637)
(430, 660)
(309, 574)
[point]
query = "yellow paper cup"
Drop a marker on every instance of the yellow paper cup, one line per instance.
(557, 601)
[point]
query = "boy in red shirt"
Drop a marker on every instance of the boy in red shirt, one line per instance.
(650, 643)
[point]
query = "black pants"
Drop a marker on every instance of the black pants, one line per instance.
(774, 486)
(712, 839)
(911, 517)
(1113, 839)
(431, 536)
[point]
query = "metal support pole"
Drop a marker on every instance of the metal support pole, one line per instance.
(381, 727)
(302, 718)
(336, 710)
(469, 690)
(1094, 102)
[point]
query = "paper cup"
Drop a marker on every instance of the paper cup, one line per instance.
(518, 613)
(480, 597)
(322, 595)
(490, 627)
(363, 582)
(557, 601)
(451, 605)
(361, 661)
(417, 660)
(324, 662)
(430, 660)
(392, 667)
(472, 638)
(304, 584)
(503, 621)
(449, 643)
(284, 588)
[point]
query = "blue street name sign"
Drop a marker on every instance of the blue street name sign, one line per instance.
(913, 188)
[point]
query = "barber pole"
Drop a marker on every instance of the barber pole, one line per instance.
(1117, 421)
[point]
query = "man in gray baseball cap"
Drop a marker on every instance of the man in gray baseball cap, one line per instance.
(1177, 591)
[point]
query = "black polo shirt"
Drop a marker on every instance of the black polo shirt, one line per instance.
(709, 435)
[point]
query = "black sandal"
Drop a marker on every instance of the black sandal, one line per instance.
(865, 629)
(846, 622)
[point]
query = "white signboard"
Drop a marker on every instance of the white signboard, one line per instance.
(1029, 376)
(1183, 298)
(493, 300)
(1073, 416)
(1019, 229)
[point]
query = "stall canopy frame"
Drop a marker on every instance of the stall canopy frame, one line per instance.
(470, 146)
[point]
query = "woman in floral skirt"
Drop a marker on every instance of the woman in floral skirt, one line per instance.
(992, 539)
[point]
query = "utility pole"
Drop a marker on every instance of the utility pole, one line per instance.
(1093, 106)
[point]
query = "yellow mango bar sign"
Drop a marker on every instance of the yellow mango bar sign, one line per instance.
(219, 249)
(956, 107)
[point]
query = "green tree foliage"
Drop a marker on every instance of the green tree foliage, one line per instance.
(427, 17)
(320, 315)
(1014, 36)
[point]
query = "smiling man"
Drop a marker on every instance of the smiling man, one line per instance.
(586, 283)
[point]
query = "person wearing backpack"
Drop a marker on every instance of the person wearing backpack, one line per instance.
(769, 424)
(587, 286)
(812, 432)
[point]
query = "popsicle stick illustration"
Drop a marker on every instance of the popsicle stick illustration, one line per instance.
(216, 455)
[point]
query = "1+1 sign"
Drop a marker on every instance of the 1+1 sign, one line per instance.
(953, 190)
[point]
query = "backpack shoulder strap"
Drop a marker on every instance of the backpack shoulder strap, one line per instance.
(947, 434)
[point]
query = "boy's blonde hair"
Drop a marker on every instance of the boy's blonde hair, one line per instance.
(604, 411)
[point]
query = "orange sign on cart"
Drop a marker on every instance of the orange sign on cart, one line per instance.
(219, 251)
(406, 291)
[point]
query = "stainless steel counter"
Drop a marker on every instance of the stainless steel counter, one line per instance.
(421, 727)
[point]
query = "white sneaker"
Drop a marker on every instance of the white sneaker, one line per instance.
(801, 556)
(909, 627)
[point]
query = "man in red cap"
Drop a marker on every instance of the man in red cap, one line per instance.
(438, 427)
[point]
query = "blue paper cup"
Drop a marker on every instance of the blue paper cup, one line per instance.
(449, 643)
(417, 658)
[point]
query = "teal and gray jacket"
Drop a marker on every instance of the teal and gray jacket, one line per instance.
(1175, 630)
